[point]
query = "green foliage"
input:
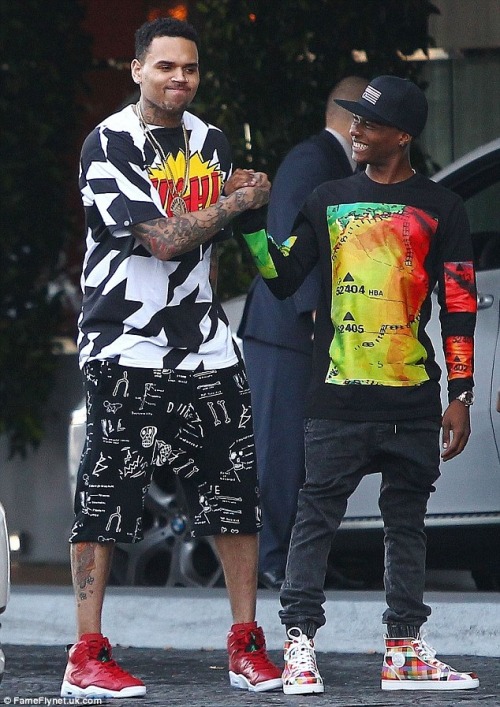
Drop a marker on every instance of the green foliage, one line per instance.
(271, 64)
(266, 63)
(44, 54)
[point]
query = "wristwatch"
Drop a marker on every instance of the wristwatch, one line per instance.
(467, 398)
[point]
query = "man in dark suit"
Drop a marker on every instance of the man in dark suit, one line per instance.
(277, 336)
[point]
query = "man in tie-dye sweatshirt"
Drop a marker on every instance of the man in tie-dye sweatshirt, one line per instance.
(383, 238)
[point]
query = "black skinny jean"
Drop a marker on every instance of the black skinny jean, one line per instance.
(338, 455)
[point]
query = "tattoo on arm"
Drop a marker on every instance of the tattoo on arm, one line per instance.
(167, 238)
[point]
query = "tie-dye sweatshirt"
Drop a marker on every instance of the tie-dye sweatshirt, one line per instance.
(382, 249)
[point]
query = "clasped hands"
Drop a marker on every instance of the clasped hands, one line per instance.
(242, 178)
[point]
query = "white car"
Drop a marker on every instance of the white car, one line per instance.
(463, 521)
(4, 576)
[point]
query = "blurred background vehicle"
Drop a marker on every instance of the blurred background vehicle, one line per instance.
(4, 576)
(463, 520)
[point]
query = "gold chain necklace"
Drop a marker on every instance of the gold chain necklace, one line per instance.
(178, 204)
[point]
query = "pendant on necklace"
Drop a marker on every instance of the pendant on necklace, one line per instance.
(178, 206)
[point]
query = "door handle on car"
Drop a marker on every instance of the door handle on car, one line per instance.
(484, 301)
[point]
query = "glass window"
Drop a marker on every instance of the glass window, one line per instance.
(483, 210)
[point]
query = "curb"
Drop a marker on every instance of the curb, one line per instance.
(193, 619)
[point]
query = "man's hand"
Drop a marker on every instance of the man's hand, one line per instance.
(239, 178)
(456, 429)
(167, 238)
(256, 195)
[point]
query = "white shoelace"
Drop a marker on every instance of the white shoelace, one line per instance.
(300, 652)
(427, 653)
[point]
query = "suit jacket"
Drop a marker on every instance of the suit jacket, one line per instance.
(288, 323)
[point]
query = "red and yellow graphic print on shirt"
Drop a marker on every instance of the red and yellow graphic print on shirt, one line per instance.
(205, 181)
(379, 286)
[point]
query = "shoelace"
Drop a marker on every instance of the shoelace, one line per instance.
(254, 650)
(300, 654)
(104, 658)
(428, 653)
(259, 658)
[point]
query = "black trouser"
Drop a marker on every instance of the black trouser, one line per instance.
(338, 455)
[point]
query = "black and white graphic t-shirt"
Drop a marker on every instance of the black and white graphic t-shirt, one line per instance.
(137, 310)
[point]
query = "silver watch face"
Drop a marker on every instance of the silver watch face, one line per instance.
(467, 397)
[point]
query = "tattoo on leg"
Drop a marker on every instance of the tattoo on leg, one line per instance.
(83, 568)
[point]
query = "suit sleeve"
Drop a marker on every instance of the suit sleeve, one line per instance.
(303, 169)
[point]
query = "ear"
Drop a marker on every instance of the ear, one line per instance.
(135, 68)
(405, 140)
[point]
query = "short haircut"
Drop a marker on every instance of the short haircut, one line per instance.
(162, 27)
(349, 88)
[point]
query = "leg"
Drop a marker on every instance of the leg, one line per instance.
(249, 665)
(90, 565)
(332, 474)
(112, 481)
(337, 457)
(90, 671)
(238, 555)
(221, 492)
(407, 482)
(278, 380)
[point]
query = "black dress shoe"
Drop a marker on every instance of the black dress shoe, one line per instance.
(271, 580)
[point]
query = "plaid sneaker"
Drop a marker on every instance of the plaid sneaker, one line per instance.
(301, 675)
(92, 671)
(410, 664)
(249, 664)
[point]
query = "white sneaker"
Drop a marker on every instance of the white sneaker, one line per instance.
(411, 664)
(301, 675)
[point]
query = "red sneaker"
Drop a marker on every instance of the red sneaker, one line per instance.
(249, 664)
(92, 671)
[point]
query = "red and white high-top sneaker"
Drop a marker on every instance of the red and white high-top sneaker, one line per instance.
(249, 665)
(92, 671)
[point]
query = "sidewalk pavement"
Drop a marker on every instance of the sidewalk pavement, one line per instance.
(194, 678)
(174, 639)
(191, 619)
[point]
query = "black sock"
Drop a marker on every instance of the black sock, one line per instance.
(403, 631)
(308, 628)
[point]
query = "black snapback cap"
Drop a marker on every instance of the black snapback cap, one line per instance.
(390, 100)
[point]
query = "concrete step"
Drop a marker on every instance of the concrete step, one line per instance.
(181, 618)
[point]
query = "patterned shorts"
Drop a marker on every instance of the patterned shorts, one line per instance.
(196, 425)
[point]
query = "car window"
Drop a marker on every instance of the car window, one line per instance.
(484, 214)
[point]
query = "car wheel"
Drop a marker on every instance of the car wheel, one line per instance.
(168, 555)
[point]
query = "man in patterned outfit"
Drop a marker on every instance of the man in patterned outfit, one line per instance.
(165, 388)
(383, 238)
